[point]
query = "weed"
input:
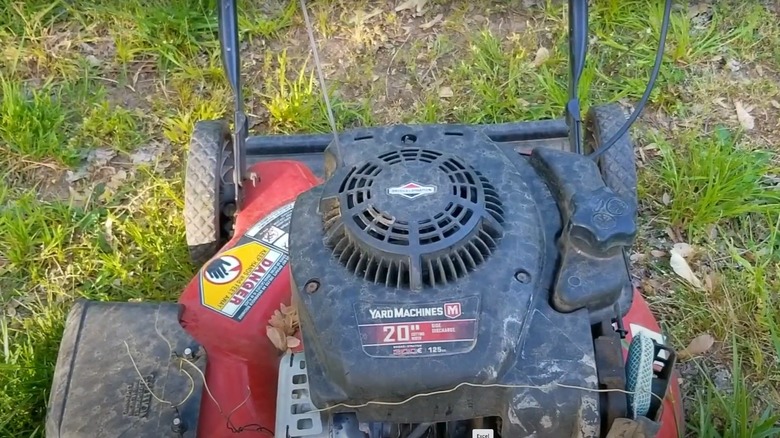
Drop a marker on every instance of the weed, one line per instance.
(732, 414)
(296, 105)
(32, 123)
(711, 179)
(115, 251)
(109, 127)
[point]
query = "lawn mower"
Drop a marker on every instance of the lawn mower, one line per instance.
(403, 281)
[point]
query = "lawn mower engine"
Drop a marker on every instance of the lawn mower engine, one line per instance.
(446, 286)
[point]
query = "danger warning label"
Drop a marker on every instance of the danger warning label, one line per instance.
(232, 282)
(402, 330)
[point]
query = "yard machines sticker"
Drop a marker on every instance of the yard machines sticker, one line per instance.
(234, 280)
(403, 330)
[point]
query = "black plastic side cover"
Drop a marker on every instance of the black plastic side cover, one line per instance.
(597, 226)
(97, 391)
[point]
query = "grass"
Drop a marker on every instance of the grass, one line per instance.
(86, 76)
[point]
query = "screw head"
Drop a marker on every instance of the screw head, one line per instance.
(312, 286)
(522, 276)
(176, 421)
(188, 352)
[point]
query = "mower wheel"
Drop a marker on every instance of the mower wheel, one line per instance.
(618, 164)
(208, 173)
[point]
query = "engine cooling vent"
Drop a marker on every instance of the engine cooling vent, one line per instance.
(412, 218)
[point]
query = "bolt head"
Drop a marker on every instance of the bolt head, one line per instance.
(522, 276)
(188, 352)
(312, 286)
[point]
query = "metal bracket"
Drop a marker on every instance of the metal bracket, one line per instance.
(578, 49)
(231, 62)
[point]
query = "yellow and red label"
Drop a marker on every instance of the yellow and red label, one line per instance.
(233, 281)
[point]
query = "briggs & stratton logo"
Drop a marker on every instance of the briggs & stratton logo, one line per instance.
(412, 190)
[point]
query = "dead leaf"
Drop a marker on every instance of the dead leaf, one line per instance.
(445, 92)
(542, 55)
(93, 60)
(657, 253)
(277, 320)
(760, 70)
(666, 198)
(436, 20)
(100, 157)
(109, 229)
(681, 268)
(293, 342)
(72, 176)
(683, 249)
(744, 117)
(721, 102)
(362, 17)
(673, 234)
(711, 281)
(277, 337)
(418, 5)
(637, 257)
(698, 346)
(775, 104)
(117, 180)
(143, 155)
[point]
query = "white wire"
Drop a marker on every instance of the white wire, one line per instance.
(320, 76)
(143, 380)
(474, 385)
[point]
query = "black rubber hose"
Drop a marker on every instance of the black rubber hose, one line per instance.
(659, 56)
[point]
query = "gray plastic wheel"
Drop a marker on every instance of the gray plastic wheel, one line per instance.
(618, 164)
(203, 188)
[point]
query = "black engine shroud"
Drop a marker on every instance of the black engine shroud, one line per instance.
(433, 260)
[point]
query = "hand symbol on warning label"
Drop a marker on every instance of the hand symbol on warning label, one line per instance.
(217, 269)
(223, 270)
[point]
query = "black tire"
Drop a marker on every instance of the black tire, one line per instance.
(618, 164)
(203, 188)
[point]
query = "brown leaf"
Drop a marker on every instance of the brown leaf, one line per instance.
(412, 4)
(711, 281)
(277, 321)
(683, 249)
(743, 115)
(681, 268)
(436, 20)
(446, 92)
(657, 253)
(637, 257)
(277, 337)
(698, 346)
(542, 55)
(293, 342)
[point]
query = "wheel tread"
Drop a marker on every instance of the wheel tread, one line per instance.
(201, 194)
